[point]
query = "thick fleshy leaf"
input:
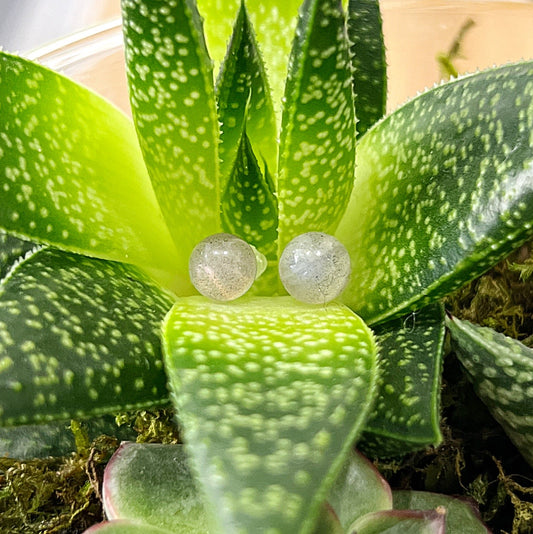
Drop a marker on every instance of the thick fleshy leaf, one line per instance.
(11, 249)
(249, 207)
(406, 414)
(151, 483)
(124, 527)
(173, 104)
(501, 370)
(243, 97)
(317, 157)
(358, 490)
(274, 22)
(72, 172)
(401, 522)
(368, 59)
(78, 337)
(328, 522)
(461, 516)
(25, 442)
(444, 189)
(271, 393)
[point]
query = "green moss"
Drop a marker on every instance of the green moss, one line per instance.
(502, 298)
(53, 495)
(62, 495)
(152, 426)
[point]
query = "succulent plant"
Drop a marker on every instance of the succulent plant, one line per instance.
(166, 499)
(99, 314)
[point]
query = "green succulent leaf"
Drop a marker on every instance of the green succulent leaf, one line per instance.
(461, 516)
(401, 522)
(244, 98)
(368, 60)
(173, 103)
(11, 249)
(501, 370)
(317, 152)
(358, 490)
(124, 527)
(249, 207)
(25, 442)
(78, 337)
(328, 522)
(270, 393)
(151, 483)
(273, 21)
(72, 174)
(406, 414)
(443, 190)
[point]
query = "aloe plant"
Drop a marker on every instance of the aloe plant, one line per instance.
(99, 315)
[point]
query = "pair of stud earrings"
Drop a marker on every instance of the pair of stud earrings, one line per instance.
(314, 267)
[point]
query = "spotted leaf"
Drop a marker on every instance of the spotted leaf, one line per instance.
(173, 103)
(444, 189)
(243, 98)
(501, 370)
(66, 157)
(271, 394)
(249, 208)
(11, 249)
(151, 484)
(368, 60)
(406, 414)
(78, 337)
(273, 21)
(317, 155)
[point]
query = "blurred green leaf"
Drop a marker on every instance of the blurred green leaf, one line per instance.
(358, 490)
(461, 517)
(271, 394)
(443, 191)
(401, 522)
(151, 483)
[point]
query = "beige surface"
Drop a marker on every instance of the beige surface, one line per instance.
(417, 30)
